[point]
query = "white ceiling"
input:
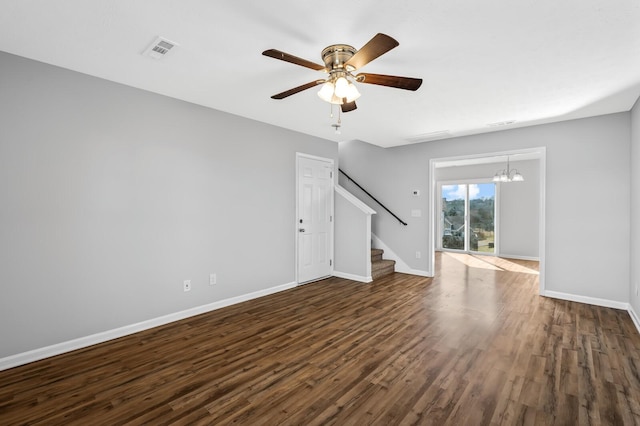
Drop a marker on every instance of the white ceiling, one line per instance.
(482, 62)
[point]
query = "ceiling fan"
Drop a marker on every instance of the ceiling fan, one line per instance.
(340, 61)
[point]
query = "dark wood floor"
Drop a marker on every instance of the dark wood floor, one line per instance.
(475, 345)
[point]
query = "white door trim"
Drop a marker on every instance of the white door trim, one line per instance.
(331, 162)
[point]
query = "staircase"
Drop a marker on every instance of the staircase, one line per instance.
(379, 266)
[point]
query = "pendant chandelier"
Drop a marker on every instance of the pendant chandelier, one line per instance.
(508, 175)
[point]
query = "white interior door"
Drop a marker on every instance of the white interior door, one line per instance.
(315, 218)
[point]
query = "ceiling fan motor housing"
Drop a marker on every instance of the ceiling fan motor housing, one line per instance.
(335, 57)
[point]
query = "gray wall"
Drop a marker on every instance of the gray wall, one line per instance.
(587, 190)
(112, 196)
(634, 289)
(519, 204)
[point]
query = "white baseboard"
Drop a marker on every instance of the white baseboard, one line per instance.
(634, 317)
(417, 272)
(588, 300)
(83, 342)
(515, 256)
(352, 277)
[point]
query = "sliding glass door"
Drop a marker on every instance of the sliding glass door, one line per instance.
(482, 215)
(454, 211)
(468, 213)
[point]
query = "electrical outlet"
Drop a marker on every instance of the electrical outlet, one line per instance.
(418, 255)
(213, 279)
(186, 285)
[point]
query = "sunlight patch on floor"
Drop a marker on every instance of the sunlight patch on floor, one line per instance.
(471, 261)
(491, 263)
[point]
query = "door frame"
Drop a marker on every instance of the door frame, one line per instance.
(296, 224)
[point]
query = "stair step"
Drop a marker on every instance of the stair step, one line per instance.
(381, 264)
(381, 268)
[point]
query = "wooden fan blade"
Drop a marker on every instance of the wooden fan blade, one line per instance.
(406, 83)
(348, 106)
(377, 46)
(297, 89)
(273, 53)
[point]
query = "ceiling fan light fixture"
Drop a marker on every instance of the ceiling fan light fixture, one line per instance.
(336, 100)
(326, 92)
(338, 92)
(352, 93)
(342, 86)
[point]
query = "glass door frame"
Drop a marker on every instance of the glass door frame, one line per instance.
(467, 233)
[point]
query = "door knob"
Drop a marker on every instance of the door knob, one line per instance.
(301, 230)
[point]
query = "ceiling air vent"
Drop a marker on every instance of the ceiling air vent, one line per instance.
(501, 123)
(427, 137)
(159, 48)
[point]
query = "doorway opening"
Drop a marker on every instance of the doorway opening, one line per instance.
(510, 214)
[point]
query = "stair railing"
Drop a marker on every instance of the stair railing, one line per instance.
(372, 197)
